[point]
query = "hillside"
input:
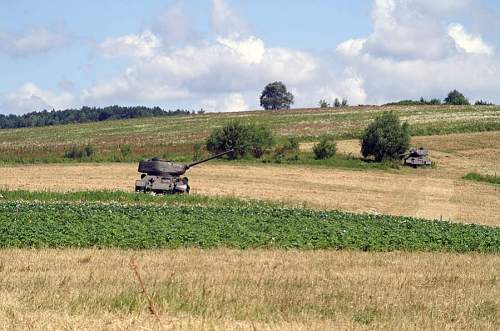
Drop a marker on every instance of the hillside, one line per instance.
(175, 136)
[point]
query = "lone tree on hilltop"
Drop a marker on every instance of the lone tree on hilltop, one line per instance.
(385, 138)
(275, 96)
(456, 98)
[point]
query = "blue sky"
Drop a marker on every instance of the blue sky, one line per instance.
(219, 54)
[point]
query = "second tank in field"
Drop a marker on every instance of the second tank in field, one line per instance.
(166, 177)
(417, 157)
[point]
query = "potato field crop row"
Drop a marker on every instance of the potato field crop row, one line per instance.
(139, 226)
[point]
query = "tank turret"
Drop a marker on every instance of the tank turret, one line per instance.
(417, 157)
(164, 177)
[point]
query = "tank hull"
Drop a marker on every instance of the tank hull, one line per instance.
(418, 157)
(162, 185)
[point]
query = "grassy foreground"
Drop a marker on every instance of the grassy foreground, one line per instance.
(225, 289)
(108, 219)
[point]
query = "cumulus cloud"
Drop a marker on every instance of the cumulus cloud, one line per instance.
(468, 42)
(413, 51)
(229, 65)
(30, 97)
(225, 20)
(32, 40)
(232, 102)
(403, 31)
(174, 25)
(417, 48)
(133, 45)
(221, 74)
(351, 47)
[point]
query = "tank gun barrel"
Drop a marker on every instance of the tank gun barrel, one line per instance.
(210, 158)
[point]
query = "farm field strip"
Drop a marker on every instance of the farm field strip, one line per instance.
(409, 194)
(177, 134)
(34, 223)
(248, 290)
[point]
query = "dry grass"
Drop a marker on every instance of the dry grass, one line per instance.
(248, 290)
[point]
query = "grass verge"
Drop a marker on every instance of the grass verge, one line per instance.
(482, 178)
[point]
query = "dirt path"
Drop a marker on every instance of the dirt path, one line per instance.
(419, 194)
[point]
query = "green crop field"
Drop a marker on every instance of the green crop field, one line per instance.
(58, 220)
(175, 136)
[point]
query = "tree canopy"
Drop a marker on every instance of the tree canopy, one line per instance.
(385, 138)
(275, 96)
(456, 98)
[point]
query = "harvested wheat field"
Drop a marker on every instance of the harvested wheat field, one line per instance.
(412, 194)
(248, 290)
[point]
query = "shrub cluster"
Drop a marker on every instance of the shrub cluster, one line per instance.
(245, 139)
(79, 153)
(325, 149)
(288, 151)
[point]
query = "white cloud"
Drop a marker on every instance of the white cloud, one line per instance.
(251, 50)
(32, 40)
(173, 25)
(414, 52)
(30, 97)
(351, 47)
(134, 45)
(402, 30)
(232, 102)
(225, 21)
(468, 42)
(229, 65)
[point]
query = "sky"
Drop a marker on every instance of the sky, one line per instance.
(219, 54)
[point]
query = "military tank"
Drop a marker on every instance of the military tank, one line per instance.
(417, 157)
(166, 177)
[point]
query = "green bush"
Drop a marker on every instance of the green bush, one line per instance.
(262, 139)
(325, 149)
(125, 150)
(197, 151)
(243, 138)
(385, 138)
(288, 151)
(79, 153)
(492, 179)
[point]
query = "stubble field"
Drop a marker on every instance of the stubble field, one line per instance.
(248, 290)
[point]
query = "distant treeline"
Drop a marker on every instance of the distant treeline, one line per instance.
(422, 101)
(454, 98)
(83, 115)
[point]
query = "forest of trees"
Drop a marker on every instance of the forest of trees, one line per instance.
(83, 115)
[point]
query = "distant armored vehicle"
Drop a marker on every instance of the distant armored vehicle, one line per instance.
(164, 177)
(417, 157)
